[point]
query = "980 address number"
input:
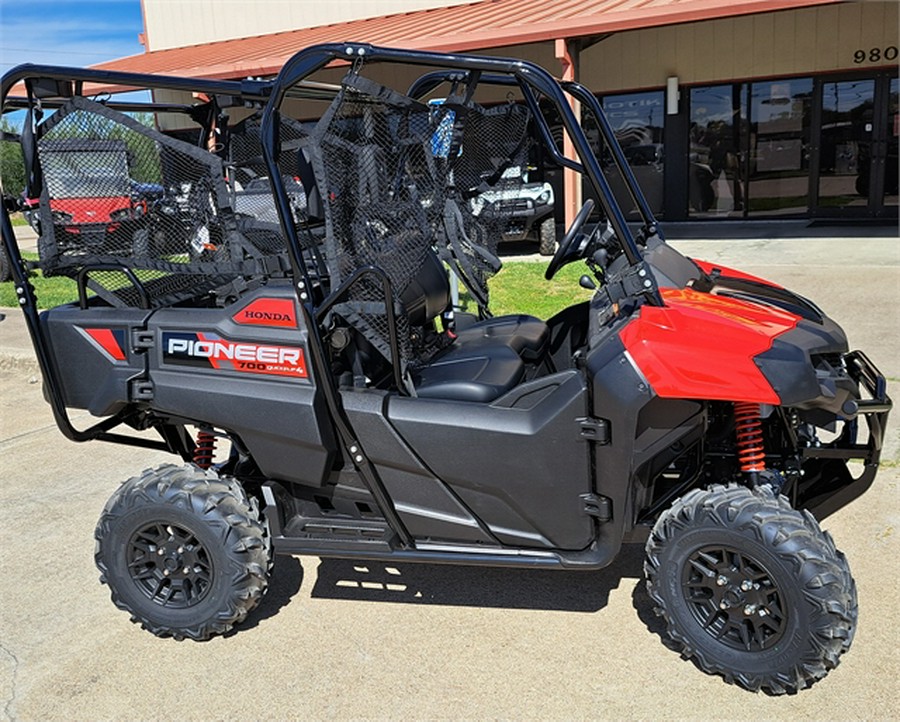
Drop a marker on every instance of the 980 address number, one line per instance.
(875, 55)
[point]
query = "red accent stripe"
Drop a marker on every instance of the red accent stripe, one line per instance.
(213, 362)
(107, 341)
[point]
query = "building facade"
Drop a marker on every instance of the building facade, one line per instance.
(180, 23)
(759, 110)
(780, 114)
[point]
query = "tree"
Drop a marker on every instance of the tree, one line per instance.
(12, 167)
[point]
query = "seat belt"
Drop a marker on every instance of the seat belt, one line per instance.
(34, 181)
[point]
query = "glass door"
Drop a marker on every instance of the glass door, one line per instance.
(717, 138)
(889, 171)
(846, 117)
(855, 166)
(778, 168)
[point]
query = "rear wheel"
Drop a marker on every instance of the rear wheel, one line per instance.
(548, 237)
(183, 551)
(751, 588)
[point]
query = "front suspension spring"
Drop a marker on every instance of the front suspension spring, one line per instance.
(748, 429)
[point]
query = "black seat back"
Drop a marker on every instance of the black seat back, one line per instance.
(428, 294)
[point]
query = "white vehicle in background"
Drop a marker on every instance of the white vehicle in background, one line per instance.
(526, 209)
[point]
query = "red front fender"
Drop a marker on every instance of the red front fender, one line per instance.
(702, 346)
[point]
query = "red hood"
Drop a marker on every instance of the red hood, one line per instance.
(90, 210)
(702, 346)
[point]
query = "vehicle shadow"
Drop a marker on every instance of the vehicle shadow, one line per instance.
(643, 605)
(284, 583)
(573, 591)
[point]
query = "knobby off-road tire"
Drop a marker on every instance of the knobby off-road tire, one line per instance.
(5, 266)
(751, 588)
(184, 552)
(548, 237)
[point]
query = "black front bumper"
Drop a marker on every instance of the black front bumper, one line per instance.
(829, 484)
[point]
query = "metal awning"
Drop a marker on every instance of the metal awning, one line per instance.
(460, 28)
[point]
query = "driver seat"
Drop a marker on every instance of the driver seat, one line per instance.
(486, 358)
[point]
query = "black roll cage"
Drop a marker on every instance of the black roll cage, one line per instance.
(530, 78)
(51, 85)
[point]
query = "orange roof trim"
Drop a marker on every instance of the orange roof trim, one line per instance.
(460, 28)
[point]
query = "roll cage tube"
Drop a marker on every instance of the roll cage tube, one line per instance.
(588, 99)
(528, 76)
(70, 81)
(247, 89)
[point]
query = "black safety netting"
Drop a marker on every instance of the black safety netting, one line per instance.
(151, 218)
(369, 153)
(400, 180)
(487, 165)
(381, 180)
(253, 195)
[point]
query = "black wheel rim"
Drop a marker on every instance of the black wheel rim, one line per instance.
(169, 565)
(734, 598)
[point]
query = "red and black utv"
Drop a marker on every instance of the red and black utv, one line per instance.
(710, 413)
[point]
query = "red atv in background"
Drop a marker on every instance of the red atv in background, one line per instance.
(703, 411)
(89, 192)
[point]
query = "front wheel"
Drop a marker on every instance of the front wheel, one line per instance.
(548, 237)
(751, 588)
(184, 552)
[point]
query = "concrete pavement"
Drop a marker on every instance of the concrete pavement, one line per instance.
(337, 639)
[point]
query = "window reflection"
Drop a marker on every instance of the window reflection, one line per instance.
(846, 143)
(716, 187)
(780, 117)
(637, 120)
(893, 134)
(752, 147)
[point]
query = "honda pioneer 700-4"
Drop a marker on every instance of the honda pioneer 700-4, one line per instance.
(704, 411)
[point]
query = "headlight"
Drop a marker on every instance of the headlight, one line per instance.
(544, 197)
(123, 214)
(60, 217)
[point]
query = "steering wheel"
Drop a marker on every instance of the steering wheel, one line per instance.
(573, 244)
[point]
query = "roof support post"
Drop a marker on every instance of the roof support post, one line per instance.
(567, 52)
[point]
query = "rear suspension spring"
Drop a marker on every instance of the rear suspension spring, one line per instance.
(748, 429)
(205, 449)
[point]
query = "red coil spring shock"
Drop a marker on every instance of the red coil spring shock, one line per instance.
(748, 429)
(205, 449)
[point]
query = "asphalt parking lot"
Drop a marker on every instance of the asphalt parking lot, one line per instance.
(342, 640)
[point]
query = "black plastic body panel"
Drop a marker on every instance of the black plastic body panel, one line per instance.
(518, 464)
(93, 377)
(428, 508)
(280, 419)
(618, 393)
(788, 366)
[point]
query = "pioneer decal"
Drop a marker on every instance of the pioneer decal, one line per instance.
(278, 312)
(212, 351)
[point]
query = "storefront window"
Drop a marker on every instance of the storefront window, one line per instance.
(716, 184)
(893, 135)
(637, 121)
(846, 143)
(780, 118)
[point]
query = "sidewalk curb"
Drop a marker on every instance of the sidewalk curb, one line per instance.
(16, 351)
